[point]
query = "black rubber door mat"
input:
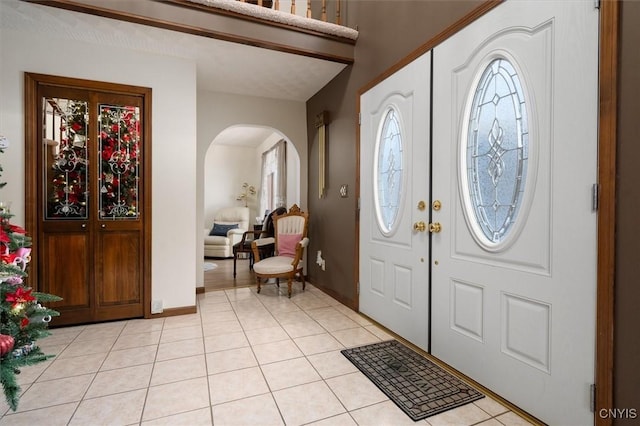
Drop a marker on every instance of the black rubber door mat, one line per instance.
(415, 384)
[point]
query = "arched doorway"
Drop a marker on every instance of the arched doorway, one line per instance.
(232, 161)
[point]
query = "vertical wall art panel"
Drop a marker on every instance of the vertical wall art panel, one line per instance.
(467, 309)
(526, 331)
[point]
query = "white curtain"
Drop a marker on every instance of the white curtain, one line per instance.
(273, 188)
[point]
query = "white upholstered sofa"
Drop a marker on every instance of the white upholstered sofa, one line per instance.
(227, 233)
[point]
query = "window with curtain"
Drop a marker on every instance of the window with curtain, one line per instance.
(273, 188)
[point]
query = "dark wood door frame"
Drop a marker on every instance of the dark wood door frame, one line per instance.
(607, 142)
(31, 104)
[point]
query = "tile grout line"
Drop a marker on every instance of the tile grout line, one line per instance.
(271, 391)
(204, 354)
(242, 306)
(306, 358)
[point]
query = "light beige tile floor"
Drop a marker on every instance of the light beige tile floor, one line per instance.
(243, 359)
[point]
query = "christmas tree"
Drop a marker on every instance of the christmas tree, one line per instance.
(23, 318)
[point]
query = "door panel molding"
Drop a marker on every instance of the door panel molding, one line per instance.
(74, 291)
(467, 308)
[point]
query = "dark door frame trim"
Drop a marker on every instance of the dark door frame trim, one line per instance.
(607, 142)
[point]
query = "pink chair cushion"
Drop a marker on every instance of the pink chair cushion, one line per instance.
(287, 244)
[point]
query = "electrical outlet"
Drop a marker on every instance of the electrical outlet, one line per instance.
(323, 265)
(156, 307)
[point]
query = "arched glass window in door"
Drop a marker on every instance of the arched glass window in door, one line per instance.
(496, 154)
(388, 171)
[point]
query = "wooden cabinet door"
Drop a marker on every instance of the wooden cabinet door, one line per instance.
(91, 197)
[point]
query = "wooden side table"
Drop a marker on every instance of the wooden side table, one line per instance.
(244, 246)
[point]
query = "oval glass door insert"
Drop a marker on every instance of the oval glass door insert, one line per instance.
(388, 171)
(496, 154)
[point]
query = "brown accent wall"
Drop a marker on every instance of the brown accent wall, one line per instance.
(627, 283)
(389, 31)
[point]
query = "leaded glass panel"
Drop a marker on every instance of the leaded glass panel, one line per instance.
(118, 176)
(389, 171)
(497, 150)
(64, 158)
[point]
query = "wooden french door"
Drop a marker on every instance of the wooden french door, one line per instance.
(88, 182)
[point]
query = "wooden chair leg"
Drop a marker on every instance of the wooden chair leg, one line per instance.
(289, 282)
(235, 257)
(304, 284)
(259, 280)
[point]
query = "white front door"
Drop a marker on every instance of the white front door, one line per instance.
(515, 159)
(394, 190)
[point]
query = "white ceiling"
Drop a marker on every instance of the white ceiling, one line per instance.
(243, 136)
(221, 66)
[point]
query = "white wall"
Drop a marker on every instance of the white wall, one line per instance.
(173, 82)
(226, 168)
(217, 111)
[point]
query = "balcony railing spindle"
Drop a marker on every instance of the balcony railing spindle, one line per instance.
(275, 5)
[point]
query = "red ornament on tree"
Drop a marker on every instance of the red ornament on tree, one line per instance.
(6, 344)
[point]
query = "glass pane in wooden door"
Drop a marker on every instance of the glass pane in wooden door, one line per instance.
(65, 158)
(119, 163)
